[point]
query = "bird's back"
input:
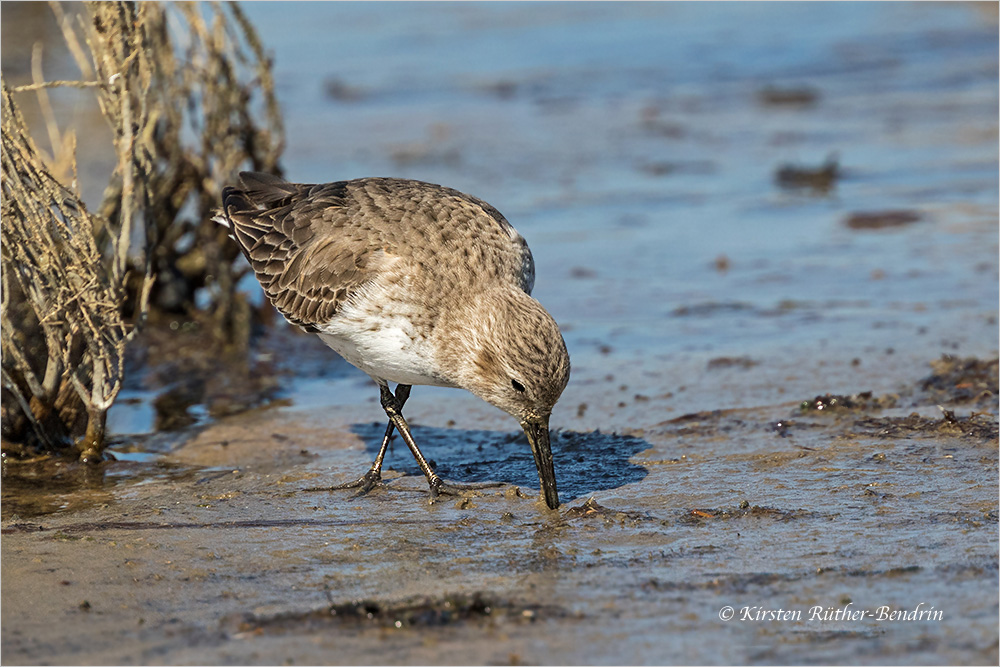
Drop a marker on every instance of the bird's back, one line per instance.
(315, 247)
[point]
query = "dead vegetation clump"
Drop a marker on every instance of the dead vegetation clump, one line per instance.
(956, 380)
(63, 329)
(188, 94)
(978, 426)
(864, 400)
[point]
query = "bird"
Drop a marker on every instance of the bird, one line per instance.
(414, 284)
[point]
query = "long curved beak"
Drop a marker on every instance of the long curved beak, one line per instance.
(538, 438)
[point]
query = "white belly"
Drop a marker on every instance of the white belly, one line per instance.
(387, 354)
(375, 332)
(377, 335)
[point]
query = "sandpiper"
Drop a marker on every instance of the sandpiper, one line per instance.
(413, 283)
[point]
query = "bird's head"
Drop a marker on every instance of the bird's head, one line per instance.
(512, 355)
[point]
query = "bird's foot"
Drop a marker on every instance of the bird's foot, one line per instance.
(438, 487)
(366, 483)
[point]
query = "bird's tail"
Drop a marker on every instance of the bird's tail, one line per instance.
(258, 192)
(220, 217)
(265, 190)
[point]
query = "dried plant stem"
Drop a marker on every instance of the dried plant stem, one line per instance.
(77, 283)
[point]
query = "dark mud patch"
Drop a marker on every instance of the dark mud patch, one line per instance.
(697, 417)
(731, 362)
(796, 97)
(709, 423)
(711, 308)
(665, 168)
(773, 582)
(881, 219)
(425, 612)
(977, 426)
(724, 584)
(785, 428)
(342, 91)
(585, 462)
(820, 180)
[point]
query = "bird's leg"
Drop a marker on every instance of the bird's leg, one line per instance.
(375, 474)
(393, 409)
(393, 406)
(373, 477)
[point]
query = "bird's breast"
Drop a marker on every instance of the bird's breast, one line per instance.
(388, 337)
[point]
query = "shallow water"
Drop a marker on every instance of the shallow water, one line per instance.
(630, 146)
(636, 147)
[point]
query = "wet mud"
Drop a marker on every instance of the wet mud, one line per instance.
(779, 442)
(713, 508)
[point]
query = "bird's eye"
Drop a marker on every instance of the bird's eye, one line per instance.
(517, 385)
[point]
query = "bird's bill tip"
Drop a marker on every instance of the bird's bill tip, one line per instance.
(537, 432)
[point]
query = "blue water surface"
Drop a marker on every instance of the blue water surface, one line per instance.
(628, 142)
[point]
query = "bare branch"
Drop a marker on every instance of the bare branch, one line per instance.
(28, 87)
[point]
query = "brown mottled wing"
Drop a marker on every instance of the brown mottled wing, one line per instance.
(298, 242)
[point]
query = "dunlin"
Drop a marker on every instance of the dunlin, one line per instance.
(413, 283)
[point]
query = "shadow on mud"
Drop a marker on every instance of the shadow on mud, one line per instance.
(585, 462)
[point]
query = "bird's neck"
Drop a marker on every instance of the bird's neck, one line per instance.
(471, 334)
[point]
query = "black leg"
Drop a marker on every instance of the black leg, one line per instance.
(393, 406)
(402, 393)
(373, 477)
(393, 409)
